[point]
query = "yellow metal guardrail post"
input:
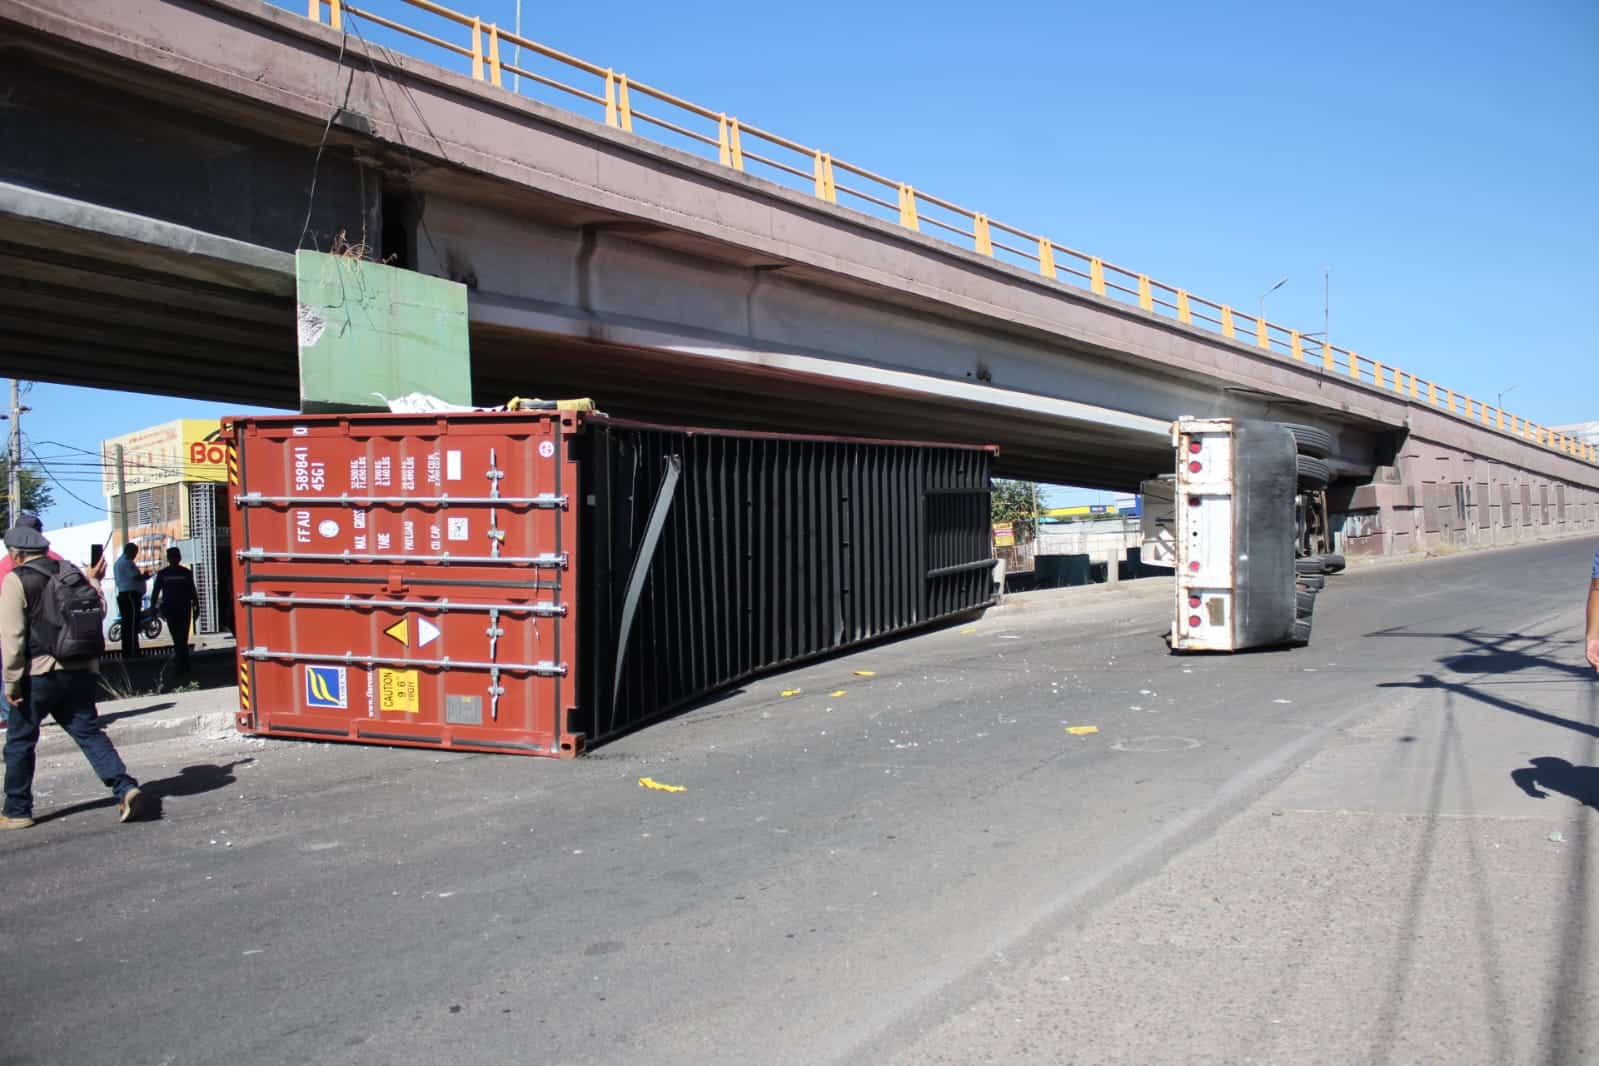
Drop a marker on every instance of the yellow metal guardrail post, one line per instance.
(730, 143)
(1146, 297)
(1294, 346)
(1501, 414)
(825, 189)
(1096, 275)
(907, 209)
(477, 49)
(335, 12)
(494, 54)
(1185, 315)
(1413, 393)
(1262, 333)
(1226, 321)
(1376, 371)
(1326, 355)
(1046, 258)
(1354, 368)
(1432, 394)
(618, 107)
(982, 241)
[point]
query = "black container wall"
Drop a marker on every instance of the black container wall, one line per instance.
(760, 551)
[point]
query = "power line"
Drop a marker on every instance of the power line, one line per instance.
(58, 484)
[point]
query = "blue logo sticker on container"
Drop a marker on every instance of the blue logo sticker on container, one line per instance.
(324, 687)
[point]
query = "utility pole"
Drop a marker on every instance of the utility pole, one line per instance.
(14, 456)
(1326, 302)
(516, 79)
(122, 495)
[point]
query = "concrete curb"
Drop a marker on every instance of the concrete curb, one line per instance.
(128, 732)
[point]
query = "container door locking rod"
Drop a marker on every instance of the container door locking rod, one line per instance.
(673, 469)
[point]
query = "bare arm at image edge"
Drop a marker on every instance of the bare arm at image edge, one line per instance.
(1593, 616)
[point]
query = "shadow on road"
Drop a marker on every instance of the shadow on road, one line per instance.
(190, 781)
(1485, 658)
(134, 712)
(1549, 773)
(1497, 654)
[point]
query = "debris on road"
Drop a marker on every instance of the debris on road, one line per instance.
(651, 783)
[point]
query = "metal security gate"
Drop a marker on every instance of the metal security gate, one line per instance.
(201, 553)
(715, 556)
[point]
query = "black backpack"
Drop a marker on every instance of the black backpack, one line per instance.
(66, 616)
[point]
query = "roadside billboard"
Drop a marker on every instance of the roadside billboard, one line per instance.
(183, 450)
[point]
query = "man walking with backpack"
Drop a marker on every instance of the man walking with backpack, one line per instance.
(51, 637)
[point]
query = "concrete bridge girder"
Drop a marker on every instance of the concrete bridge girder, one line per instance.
(641, 268)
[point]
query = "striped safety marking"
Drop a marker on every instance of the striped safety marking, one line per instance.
(244, 686)
(233, 465)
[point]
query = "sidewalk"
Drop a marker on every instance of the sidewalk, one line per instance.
(206, 712)
(1398, 899)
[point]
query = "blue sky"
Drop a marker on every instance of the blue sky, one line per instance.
(1442, 159)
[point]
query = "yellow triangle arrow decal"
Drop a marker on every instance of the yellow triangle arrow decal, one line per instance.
(400, 631)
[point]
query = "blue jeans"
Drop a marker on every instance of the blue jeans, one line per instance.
(68, 696)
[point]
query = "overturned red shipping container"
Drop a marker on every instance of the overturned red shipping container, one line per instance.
(536, 583)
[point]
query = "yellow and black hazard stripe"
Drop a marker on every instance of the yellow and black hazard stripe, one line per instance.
(233, 465)
(244, 686)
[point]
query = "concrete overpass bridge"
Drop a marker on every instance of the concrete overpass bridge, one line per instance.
(165, 157)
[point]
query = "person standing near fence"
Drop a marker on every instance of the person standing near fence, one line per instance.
(130, 597)
(174, 595)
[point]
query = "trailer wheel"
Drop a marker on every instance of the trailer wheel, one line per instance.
(1332, 563)
(1316, 443)
(1313, 582)
(1304, 603)
(1309, 564)
(1313, 474)
(1301, 632)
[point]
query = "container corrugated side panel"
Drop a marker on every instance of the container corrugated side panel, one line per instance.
(774, 550)
(407, 580)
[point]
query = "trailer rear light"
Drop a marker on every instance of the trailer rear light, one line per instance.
(1193, 601)
(1194, 620)
(1194, 447)
(1194, 501)
(1194, 468)
(1194, 566)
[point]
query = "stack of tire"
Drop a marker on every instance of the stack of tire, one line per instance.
(1311, 571)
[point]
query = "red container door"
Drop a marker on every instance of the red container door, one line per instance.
(408, 579)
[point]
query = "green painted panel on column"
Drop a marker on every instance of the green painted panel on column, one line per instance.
(366, 328)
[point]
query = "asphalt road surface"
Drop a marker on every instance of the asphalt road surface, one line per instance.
(924, 865)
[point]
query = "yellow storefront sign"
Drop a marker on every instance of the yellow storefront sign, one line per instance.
(398, 691)
(185, 449)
